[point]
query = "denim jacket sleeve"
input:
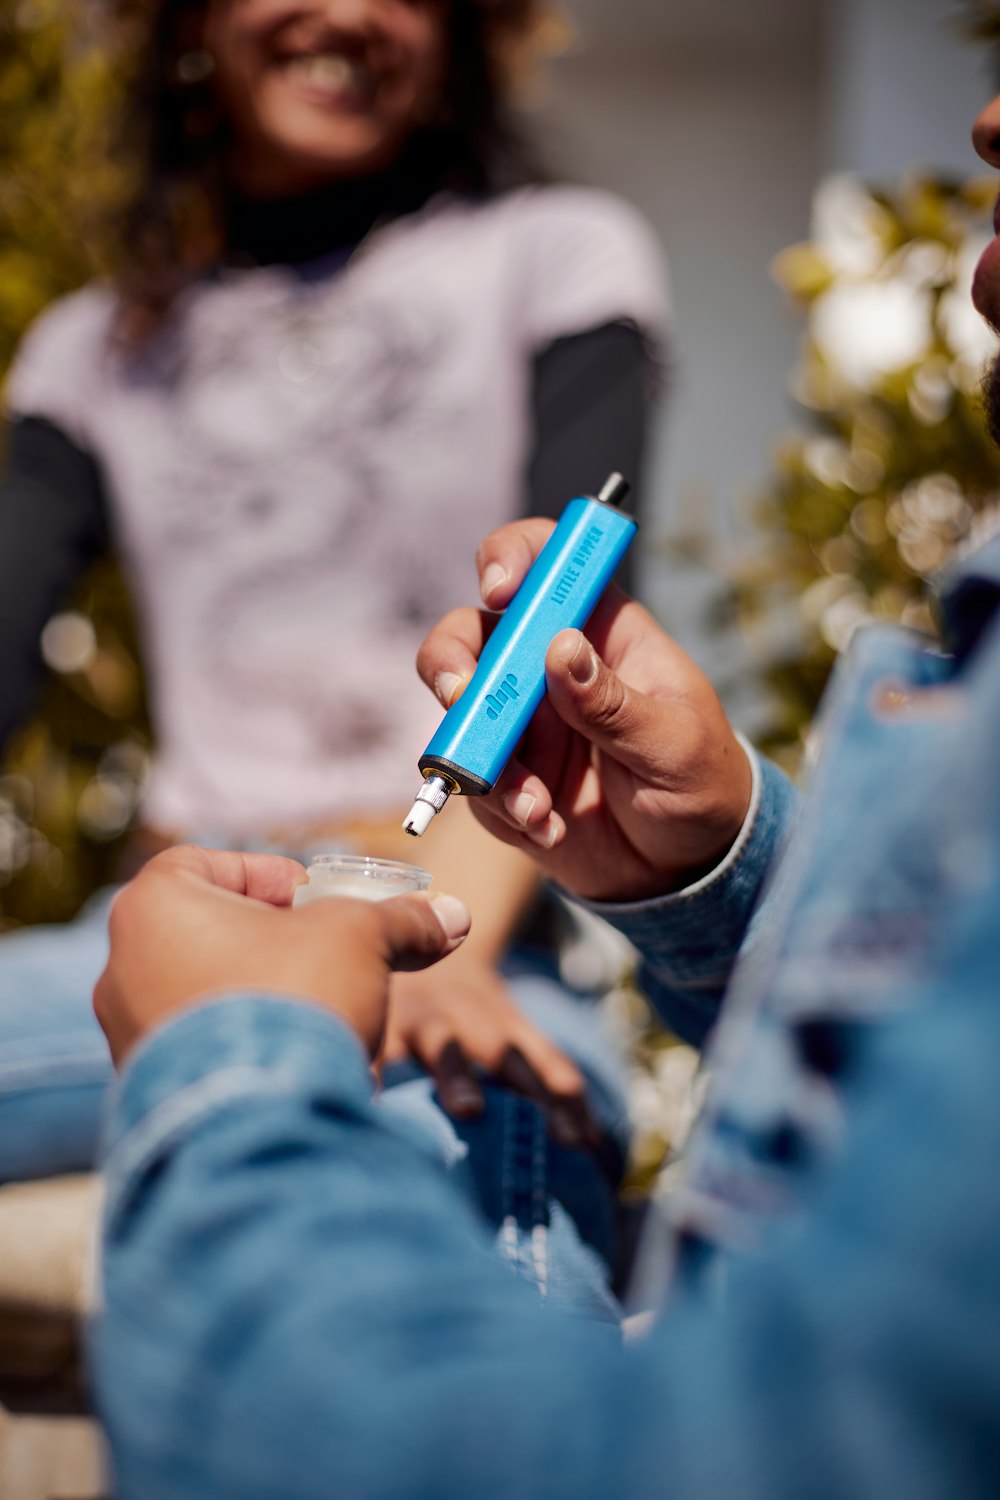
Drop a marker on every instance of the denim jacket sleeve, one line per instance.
(689, 941)
(297, 1302)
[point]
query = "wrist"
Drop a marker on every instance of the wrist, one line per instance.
(676, 840)
(716, 826)
(668, 890)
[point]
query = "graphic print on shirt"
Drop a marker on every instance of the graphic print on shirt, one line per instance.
(284, 424)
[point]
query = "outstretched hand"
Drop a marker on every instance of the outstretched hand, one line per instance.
(630, 781)
(460, 1022)
(197, 922)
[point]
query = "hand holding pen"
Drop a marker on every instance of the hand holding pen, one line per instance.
(630, 781)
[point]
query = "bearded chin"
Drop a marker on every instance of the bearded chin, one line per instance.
(991, 400)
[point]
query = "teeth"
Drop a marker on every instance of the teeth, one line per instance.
(328, 71)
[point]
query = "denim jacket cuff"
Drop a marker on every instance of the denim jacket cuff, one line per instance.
(693, 935)
(226, 1049)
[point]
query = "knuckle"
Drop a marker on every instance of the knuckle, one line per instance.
(122, 914)
(405, 923)
(421, 925)
(448, 645)
(368, 923)
(433, 1043)
(533, 532)
(427, 666)
(180, 852)
(490, 545)
(179, 857)
(608, 704)
(358, 933)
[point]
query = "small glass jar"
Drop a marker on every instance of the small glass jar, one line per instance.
(359, 877)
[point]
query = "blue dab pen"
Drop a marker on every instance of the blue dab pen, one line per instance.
(479, 733)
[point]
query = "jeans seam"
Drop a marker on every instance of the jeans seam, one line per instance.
(508, 1215)
(524, 1142)
(540, 1210)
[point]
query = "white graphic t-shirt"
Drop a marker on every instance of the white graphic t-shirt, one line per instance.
(300, 468)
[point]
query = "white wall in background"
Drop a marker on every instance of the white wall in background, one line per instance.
(905, 82)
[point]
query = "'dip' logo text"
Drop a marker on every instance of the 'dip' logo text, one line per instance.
(505, 693)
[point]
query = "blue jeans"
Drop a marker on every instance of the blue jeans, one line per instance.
(552, 1210)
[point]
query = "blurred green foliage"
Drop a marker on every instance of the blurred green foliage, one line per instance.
(895, 469)
(71, 776)
(61, 175)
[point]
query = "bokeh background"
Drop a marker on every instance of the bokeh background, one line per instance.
(726, 123)
(808, 168)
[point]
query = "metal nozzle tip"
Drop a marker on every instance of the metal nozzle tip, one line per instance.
(419, 819)
(430, 799)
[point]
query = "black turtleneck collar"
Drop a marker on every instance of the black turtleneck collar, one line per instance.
(335, 217)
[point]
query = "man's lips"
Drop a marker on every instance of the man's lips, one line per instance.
(986, 279)
(986, 284)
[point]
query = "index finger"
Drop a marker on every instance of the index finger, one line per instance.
(448, 657)
(271, 878)
(504, 557)
(450, 653)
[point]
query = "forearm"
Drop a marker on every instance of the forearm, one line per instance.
(496, 882)
(689, 941)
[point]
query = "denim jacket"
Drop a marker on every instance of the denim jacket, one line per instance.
(886, 848)
(297, 1304)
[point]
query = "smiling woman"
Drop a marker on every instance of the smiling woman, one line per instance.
(312, 95)
(273, 98)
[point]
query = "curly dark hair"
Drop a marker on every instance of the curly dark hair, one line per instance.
(175, 224)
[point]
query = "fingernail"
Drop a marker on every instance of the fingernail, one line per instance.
(584, 664)
(453, 916)
(493, 577)
(519, 805)
(564, 1128)
(446, 686)
(545, 836)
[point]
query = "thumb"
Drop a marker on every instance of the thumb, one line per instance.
(418, 930)
(593, 700)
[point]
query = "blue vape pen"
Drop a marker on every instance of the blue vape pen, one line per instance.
(479, 733)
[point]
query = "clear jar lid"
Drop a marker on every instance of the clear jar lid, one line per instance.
(360, 877)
